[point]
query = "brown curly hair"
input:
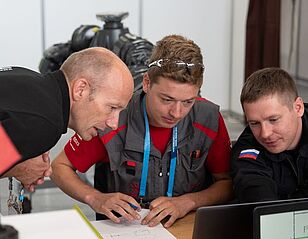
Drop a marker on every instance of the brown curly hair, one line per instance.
(176, 47)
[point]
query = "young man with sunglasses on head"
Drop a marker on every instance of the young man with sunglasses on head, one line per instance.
(270, 158)
(171, 151)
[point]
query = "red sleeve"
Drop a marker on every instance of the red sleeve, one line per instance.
(8, 152)
(218, 159)
(83, 154)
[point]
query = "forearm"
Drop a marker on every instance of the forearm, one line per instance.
(70, 183)
(218, 193)
(106, 203)
(66, 178)
(7, 174)
(254, 188)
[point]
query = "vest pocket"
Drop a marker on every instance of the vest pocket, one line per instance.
(190, 175)
(127, 172)
(192, 161)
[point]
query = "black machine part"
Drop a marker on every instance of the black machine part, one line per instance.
(133, 50)
(8, 232)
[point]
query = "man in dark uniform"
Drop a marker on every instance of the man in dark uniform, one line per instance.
(86, 94)
(270, 158)
(169, 143)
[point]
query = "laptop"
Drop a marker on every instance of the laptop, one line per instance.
(283, 221)
(228, 221)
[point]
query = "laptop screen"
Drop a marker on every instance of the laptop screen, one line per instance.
(229, 221)
(283, 221)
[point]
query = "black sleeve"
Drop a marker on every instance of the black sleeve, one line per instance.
(31, 134)
(252, 178)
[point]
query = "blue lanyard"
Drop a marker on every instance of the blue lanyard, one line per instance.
(146, 156)
(173, 160)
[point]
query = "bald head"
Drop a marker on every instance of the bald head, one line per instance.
(95, 64)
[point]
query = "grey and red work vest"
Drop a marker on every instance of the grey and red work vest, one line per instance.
(196, 133)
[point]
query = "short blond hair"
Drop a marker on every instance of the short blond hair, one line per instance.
(269, 81)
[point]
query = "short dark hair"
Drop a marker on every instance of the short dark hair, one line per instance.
(269, 81)
(176, 47)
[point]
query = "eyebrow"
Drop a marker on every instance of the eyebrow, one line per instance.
(172, 98)
(267, 118)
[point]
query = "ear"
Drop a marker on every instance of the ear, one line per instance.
(80, 89)
(146, 82)
(299, 106)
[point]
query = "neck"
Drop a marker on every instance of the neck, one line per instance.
(298, 135)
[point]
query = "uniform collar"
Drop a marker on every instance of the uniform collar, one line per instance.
(63, 86)
(303, 143)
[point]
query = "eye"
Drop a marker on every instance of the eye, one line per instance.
(167, 100)
(253, 124)
(188, 103)
(112, 108)
(273, 120)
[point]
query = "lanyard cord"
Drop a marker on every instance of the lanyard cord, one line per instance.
(173, 160)
(146, 152)
(146, 156)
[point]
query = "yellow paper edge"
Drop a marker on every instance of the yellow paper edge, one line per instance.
(77, 208)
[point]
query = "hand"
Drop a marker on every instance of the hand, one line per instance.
(105, 203)
(47, 173)
(32, 171)
(160, 208)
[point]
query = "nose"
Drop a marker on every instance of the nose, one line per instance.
(266, 130)
(113, 121)
(176, 110)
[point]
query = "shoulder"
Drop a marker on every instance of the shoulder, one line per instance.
(205, 113)
(19, 74)
(247, 146)
(203, 103)
(205, 108)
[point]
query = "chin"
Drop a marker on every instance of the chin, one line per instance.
(171, 125)
(88, 138)
(275, 150)
(165, 125)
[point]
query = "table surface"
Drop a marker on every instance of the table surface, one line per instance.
(183, 228)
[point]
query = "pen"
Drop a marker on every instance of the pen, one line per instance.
(192, 158)
(133, 206)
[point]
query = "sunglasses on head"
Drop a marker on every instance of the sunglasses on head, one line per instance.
(194, 69)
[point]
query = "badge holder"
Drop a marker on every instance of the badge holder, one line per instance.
(15, 203)
(7, 231)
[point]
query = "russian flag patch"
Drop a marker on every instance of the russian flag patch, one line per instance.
(249, 153)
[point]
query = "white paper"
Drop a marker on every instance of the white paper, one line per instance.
(50, 225)
(131, 230)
